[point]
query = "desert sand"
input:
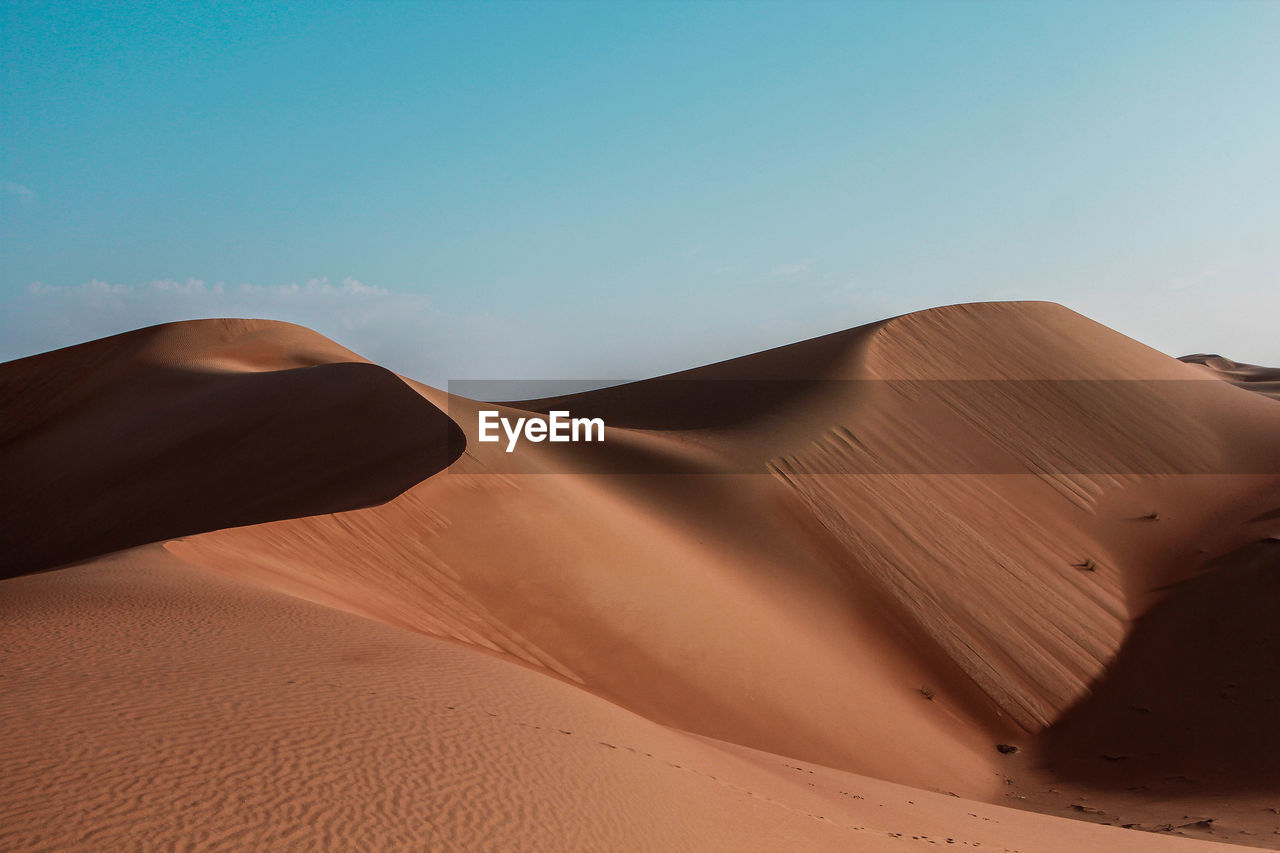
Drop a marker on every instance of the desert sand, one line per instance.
(987, 575)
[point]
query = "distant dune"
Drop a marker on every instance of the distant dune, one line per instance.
(1264, 380)
(860, 592)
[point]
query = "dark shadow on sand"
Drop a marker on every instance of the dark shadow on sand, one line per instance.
(161, 452)
(1192, 701)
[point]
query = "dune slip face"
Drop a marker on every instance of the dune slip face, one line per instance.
(929, 566)
(182, 429)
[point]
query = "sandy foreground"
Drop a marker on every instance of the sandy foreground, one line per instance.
(263, 594)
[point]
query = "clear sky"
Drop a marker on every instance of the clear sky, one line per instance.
(620, 189)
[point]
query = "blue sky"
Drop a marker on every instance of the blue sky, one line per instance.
(610, 189)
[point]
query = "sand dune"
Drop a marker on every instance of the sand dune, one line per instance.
(198, 426)
(875, 555)
(1264, 380)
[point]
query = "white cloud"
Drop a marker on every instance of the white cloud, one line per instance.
(17, 189)
(314, 287)
(793, 270)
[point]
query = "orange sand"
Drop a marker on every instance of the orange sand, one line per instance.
(876, 577)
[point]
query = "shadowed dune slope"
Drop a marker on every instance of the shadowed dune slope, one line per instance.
(996, 471)
(1194, 693)
(197, 426)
